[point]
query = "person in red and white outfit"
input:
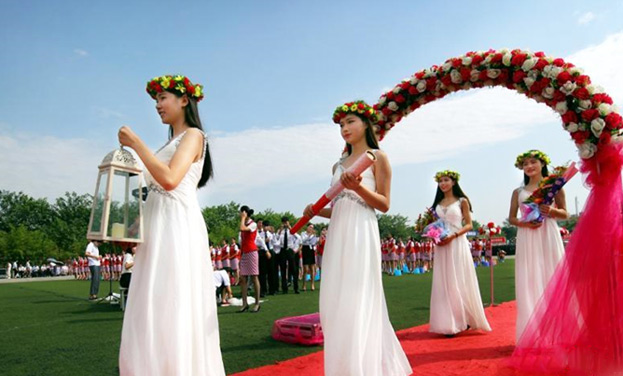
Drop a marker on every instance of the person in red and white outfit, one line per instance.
(320, 247)
(234, 260)
(249, 263)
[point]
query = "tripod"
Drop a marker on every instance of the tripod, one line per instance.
(111, 296)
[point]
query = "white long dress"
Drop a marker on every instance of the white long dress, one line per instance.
(537, 254)
(358, 336)
(455, 300)
(170, 324)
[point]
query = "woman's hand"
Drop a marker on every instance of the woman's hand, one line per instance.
(546, 210)
(350, 181)
(308, 211)
(243, 215)
(532, 225)
(127, 137)
(447, 239)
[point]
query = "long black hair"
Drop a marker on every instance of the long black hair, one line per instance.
(191, 114)
(248, 210)
(456, 191)
(544, 173)
(371, 140)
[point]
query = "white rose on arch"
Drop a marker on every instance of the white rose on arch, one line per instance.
(397, 89)
(585, 104)
(474, 75)
(455, 77)
(568, 87)
(446, 66)
(604, 109)
(466, 60)
(587, 150)
(493, 73)
(572, 127)
(528, 81)
(561, 107)
(597, 126)
(506, 59)
(392, 106)
(548, 92)
(551, 71)
(421, 86)
(528, 64)
(382, 100)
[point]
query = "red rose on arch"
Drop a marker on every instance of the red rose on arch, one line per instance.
(518, 59)
(602, 98)
(542, 63)
(614, 121)
(589, 115)
(456, 63)
(476, 60)
(400, 98)
(539, 54)
(581, 93)
(413, 90)
(580, 136)
(446, 80)
(563, 77)
(559, 96)
(558, 62)
(390, 95)
(431, 82)
(405, 85)
(518, 76)
(419, 75)
(569, 117)
(497, 58)
(482, 76)
(583, 80)
(465, 73)
(605, 138)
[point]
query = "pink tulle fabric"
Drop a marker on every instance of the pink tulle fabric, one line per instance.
(577, 327)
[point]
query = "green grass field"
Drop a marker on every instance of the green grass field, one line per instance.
(49, 328)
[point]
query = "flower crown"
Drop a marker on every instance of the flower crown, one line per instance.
(531, 154)
(178, 83)
(357, 108)
(449, 173)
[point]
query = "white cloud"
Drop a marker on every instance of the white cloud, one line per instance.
(81, 53)
(48, 166)
(586, 18)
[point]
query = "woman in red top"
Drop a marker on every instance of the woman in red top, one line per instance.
(249, 263)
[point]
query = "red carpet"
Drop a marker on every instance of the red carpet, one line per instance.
(470, 353)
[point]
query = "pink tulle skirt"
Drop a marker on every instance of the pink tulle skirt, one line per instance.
(577, 327)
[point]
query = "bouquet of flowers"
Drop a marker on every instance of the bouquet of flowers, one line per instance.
(425, 219)
(545, 193)
(431, 226)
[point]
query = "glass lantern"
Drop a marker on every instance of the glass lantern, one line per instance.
(116, 214)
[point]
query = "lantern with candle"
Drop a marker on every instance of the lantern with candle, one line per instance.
(116, 214)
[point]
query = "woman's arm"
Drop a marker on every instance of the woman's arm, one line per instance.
(379, 200)
(168, 176)
(558, 212)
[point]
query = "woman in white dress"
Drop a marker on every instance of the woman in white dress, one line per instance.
(170, 324)
(539, 246)
(358, 336)
(455, 302)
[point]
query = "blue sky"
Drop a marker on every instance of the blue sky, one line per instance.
(273, 72)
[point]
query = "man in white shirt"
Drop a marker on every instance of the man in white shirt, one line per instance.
(93, 254)
(288, 257)
(266, 259)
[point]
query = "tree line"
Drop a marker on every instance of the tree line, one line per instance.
(36, 229)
